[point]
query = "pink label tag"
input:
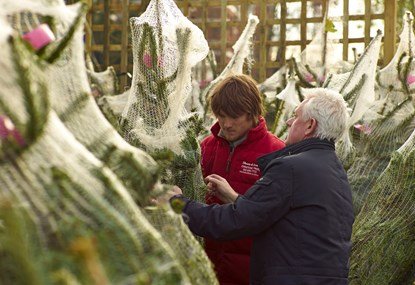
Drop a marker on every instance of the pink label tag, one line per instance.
(410, 79)
(39, 37)
(8, 131)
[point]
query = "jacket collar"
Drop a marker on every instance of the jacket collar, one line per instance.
(302, 146)
(253, 134)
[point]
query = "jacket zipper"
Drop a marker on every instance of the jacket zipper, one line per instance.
(228, 162)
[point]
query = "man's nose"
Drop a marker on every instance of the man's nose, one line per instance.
(227, 123)
(289, 121)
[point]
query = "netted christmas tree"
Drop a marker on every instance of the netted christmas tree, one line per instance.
(281, 105)
(383, 249)
(283, 90)
(103, 83)
(389, 121)
(319, 58)
(358, 89)
(242, 55)
(82, 214)
(71, 95)
(166, 45)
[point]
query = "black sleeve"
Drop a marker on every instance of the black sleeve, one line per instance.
(261, 206)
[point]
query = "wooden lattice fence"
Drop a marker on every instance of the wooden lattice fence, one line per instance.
(285, 28)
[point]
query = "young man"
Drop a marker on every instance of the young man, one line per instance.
(238, 138)
(300, 212)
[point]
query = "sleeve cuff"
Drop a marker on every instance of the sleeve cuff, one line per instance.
(178, 203)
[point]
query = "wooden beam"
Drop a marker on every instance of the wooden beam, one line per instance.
(303, 24)
(223, 32)
(263, 35)
(88, 27)
(107, 33)
(346, 30)
(283, 34)
(124, 43)
(368, 22)
(389, 46)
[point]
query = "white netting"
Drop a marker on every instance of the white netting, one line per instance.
(78, 173)
(68, 194)
(155, 117)
(274, 84)
(103, 83)
(166, 45)
(241, 53)
(389, 121)
(358, 89)
(112, 106)
(320, 58)
(406, 46)
(71, 95)
(383, 246)
(284, 103)
(382, 176)
(194, 103)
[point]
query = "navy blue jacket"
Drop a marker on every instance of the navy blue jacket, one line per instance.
(299, 213)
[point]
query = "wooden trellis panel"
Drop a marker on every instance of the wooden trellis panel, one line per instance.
(107, 34)
(222, 21)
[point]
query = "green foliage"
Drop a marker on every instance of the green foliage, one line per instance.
(123, 247)
(330, 27)
(352, 95)
(20, 255)
(183, 169)
(135, 176)
(152, 106)
(35, 99)
(383, 231)
(56, 50)
(75, 106)
(301, 77)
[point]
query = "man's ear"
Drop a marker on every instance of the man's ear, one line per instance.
(311, 128)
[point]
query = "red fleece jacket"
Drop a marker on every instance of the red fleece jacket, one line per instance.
(240, 169)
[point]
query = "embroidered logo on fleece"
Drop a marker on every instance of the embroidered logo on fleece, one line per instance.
(250, 168)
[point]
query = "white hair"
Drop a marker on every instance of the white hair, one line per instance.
(330, 111)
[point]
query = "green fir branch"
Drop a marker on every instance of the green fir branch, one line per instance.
(21, 257)
(385, 103)
(313, 74)
(402, 77)
(351, 96)
(50, 21)
(279, 108)
(35, 92)
(282, 131)
(303, 81)
(212, 63)
(76, 106)
(327, 81)
(396, 109)
(300, 94)
(156, 83)
(57, 50)
(358, 63)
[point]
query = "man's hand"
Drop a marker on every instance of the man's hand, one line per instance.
(219, 187)
(166, 197)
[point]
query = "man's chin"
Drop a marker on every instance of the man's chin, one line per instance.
(231, 139)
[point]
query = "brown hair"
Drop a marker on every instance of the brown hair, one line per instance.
(236, 95)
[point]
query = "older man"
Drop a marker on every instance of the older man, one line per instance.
(300, 212)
